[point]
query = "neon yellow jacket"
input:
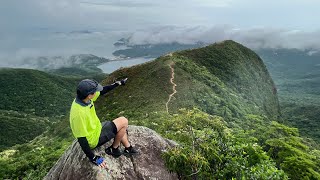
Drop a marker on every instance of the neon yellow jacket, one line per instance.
(84, 122)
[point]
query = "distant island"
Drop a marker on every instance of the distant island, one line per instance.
(150, 50)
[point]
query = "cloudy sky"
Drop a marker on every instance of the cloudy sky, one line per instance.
(31, 28)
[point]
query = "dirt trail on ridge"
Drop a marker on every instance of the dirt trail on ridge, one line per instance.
(173, 86)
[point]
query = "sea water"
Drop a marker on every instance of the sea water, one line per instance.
(111, 66)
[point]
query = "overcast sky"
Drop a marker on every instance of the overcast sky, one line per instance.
(61, 27)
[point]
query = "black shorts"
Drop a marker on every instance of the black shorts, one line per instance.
(108, 132)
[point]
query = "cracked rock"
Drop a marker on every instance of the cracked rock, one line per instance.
(148, 164)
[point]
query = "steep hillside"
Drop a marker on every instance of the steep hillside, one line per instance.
(296, 74)
(225, 79)
(36, 92)
(31, 101)
(18, 128)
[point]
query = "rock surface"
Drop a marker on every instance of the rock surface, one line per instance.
(148, 164)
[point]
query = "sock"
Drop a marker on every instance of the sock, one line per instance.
(113, 147)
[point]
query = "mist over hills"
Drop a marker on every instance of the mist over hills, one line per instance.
(84, 62)
(62, 42)
(254, 38)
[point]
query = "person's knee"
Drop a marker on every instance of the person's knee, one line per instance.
(121, 122)
(124, 121)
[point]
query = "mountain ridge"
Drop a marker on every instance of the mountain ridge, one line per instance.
(209, 77)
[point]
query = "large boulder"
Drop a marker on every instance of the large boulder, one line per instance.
(148, 164)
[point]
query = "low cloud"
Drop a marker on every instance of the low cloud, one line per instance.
(56, 47)
(36, 59)
(260, 37)
(22, 51)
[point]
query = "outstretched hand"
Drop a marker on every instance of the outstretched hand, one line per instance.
(121, 82)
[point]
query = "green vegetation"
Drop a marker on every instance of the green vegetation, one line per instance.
(76, 71)
(31, 101)
(210, 150)
(18, 128)
(36, 92)
(304, 117)
(239, 139)
(294, 71)
(201, 82)
(33, 160)
(35, 102)
(225, 117)
(296, 75)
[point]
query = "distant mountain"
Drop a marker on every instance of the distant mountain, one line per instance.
(80, 64)
(291, 63)
(296, 73)
(297, 76)
(151, 50)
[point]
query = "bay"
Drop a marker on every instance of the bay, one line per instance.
(113, 65)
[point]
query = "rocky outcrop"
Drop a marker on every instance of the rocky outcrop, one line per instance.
(148, 164)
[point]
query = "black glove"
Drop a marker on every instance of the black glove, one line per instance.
(97, 160)
(121, 82)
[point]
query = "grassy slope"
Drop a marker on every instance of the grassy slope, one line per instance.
(242, 71)
(225, 79)
(219, 79)
(146, 90)
(36, 92)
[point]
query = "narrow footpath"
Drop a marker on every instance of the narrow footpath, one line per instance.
(173, 86)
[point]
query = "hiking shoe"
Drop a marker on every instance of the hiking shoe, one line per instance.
(130, 151)
(115, 152)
